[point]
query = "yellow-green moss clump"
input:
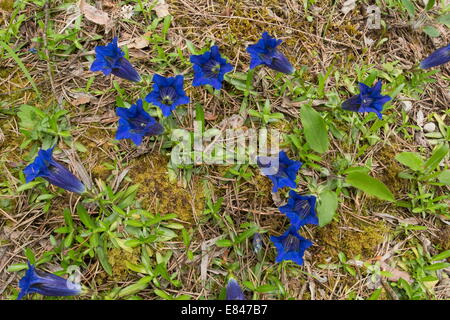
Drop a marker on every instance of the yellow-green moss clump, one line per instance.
(357, 238)
(118, 258)
(389, 176)
(159, 195)
(99, 145)
(6, 5)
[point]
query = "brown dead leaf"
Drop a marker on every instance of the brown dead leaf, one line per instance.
(80, 101)
(396, 273)
(81, 98)
(210, 116)
(162, 9)
(95, 15)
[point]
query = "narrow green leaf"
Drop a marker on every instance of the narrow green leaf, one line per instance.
(84, 217)
(437, 266)
(436, 157)
(441, 256)
(132, 289)
(224, 243)
(370, 185)
(103, 258)
(430, 4)
(315, 130)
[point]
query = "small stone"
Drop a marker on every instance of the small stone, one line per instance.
(429, 127)
(420, 118)
(407, 105)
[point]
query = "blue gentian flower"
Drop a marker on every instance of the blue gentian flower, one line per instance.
(257, 242)
(110, 59)
(167, 93)
(234, 292)
(47, 284)
(265, 52)
(210, 68)
(368, 100)
(135, 123)
(46, 167)
(291, 246)
(440, 56)
(300, 210)
(281, 170)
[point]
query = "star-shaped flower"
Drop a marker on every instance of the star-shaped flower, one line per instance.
(135, 123)
(210, 68)
(167, 93)
(290, 246)
(369, 99)
(110, 59)
(265, 52)
(281, 170)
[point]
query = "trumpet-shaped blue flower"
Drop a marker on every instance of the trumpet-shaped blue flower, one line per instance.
(300, 210)
(281, 170)
(110, 59)
(438, 57)
(210, 68)
(291, 246)
(46, 167)
(265, 52)
(234, 292)
(135, 123)
(368, 100)
(47, 284)
(167, 93)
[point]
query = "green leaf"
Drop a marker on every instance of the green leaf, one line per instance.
(224, 243)
(315, 129)
(410, 159)
(85, 218)
(409, 6)
(162, 294)
(246, 234)
(28, 185)
(191, 47)
(430, 4)
(135, 288)
(375, 295)
(370, 185)
(326, 209)
(444, 177)
(438, 154)
(441, 256)
(431, 31)
(103, 258)
(437, 266)
(30, 255)
(445, 19)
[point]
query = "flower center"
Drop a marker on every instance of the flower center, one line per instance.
(302, 208)
(138, 124)
(291, 243)
(167, 100)
(168, 95)
(211, 68)
(367, 101)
